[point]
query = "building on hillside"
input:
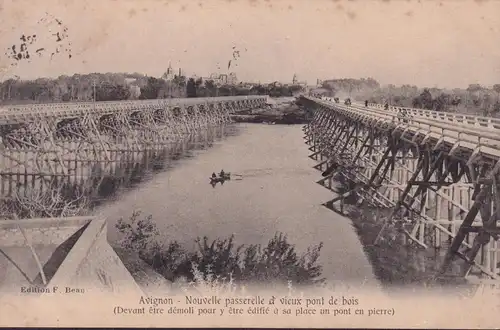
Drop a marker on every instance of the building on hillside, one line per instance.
(296, 81)
(222, 79)
(135, 92)
(232, 79)
(130, 81)
(246, 86)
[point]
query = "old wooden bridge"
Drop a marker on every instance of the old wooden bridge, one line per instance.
(436, 173)
(52, 140)
(53, 156)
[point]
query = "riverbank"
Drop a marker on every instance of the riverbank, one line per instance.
(277, 112)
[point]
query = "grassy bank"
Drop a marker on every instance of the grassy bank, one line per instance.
(220, 260)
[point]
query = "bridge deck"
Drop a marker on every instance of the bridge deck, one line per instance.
(475, 133)
(21, 113)
(446, 116)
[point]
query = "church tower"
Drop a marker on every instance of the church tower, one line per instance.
(169, 75)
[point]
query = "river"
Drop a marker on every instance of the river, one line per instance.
(276, 193)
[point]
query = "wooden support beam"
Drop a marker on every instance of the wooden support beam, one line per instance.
(462, 232)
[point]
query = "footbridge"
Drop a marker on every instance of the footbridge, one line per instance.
(53, 159)
(47, 140)
(435, 173)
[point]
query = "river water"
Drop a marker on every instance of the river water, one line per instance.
(275, 193)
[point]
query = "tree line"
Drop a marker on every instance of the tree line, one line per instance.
(126, 86)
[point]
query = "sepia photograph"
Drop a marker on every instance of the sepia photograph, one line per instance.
(257, 163)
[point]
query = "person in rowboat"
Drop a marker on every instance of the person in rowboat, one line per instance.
(221, 174)
(214, 175)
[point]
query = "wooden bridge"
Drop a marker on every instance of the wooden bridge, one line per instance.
(436, 174)
(53, 156)
(49, 140)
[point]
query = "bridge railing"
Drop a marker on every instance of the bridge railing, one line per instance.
(477, 121)
(132, 103)
(454, 133)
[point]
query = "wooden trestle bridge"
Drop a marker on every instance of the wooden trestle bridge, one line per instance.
(54, 156)
(436, 173)
(49, 140)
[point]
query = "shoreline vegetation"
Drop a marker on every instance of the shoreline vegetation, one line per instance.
(219, 262)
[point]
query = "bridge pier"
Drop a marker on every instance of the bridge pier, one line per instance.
(436, 180)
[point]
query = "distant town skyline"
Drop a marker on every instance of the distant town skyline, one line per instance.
(443, 44)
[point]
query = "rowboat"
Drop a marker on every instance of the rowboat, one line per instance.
(227, 176)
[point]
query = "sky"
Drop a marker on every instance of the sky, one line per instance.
(445, 44)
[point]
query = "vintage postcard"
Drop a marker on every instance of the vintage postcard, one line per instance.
(250, 163)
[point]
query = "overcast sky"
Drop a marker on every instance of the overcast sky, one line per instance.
(427, 43)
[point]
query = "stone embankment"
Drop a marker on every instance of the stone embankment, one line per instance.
(277, 111)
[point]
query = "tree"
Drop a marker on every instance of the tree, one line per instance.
(180, 81)
(496, 107)
(456, 100)
(191, 88)
(424, 100)
(441, 102)
(486, 104)
(296, 89)
(110, 92)
(496, 88)
(198, 83)
(224, 91)
(328, 85)
(473, 88)
(471, 92)
(152, 89)
(211, 88)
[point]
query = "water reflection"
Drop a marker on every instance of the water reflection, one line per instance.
(396, 261)
(92, 183)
